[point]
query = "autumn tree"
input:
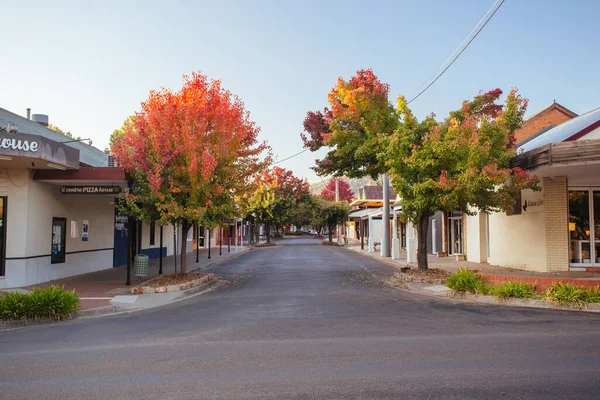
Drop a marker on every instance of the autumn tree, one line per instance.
(190, 153)
(461, 163)
(330, 214)
(360, 113)
(345, 191)
(278, 193)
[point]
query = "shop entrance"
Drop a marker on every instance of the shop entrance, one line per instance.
(3, 204)
(59, 228)
(455, 233)
(584, 227)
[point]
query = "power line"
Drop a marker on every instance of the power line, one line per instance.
(456, 49)
(445, 69)
(292, 156)
(459, 54)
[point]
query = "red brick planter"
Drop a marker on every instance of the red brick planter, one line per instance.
(541, 283)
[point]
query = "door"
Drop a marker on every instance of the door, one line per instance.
(201, 231)
(59, 229)
(121, 240)
(455, 233)
(3, 214)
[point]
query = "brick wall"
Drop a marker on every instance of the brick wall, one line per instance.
(539, 122)
(556, 209)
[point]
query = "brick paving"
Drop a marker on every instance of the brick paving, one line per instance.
(97, 288)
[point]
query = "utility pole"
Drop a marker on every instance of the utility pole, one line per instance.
(385, 216)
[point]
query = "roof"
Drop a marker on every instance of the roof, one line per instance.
(374, 193)
(87, 154)
(573, 129)
(553, 105)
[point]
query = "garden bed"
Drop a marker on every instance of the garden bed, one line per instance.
(434, 276)
(266, 245)
(172, 283)
(328, 243)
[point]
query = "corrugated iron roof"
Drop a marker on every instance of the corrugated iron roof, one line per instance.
(87, 154)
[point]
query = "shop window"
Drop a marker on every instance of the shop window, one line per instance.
(3, 204)
(59, 230)
(584, 227)
(152, 232)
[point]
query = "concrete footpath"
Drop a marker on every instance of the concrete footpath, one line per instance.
(105, 291)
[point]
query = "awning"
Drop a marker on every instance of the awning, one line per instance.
(21, 150)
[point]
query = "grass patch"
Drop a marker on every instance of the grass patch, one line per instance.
(521, 290)
(52, 302)
(466, 280)
(567, 294)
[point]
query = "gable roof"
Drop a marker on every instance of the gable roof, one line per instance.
(552, 106)
(573, 129)
(87, 154)
(374, 193)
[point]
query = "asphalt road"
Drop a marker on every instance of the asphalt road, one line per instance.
(306, 321)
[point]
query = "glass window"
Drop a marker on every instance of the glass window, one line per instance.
(579, 226)
(2, 235)
(597, 226)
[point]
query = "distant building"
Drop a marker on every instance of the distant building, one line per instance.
(546, 118)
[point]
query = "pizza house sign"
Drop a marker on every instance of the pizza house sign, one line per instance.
(90, 189)
(19, 144)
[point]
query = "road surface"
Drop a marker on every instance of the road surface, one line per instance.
(307, 321)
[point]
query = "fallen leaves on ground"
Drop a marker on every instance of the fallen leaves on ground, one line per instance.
(175, 279)
(434, 273)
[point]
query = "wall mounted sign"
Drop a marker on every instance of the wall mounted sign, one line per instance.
(85, 227)
(90, 189)
(532, 201)
(120, 222)
(14, 143)
(38, 147)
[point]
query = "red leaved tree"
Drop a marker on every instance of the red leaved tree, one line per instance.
(190, 153)
(345, 191)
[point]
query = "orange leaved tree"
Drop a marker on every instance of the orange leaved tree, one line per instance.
(190, 153)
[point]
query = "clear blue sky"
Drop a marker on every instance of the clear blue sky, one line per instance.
(89, 64)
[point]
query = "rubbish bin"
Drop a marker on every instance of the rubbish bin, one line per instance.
(140, 266)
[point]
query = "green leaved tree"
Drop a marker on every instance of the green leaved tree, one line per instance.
(461, 163)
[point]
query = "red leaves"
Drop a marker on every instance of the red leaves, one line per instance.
(197, 142)
(345, 191)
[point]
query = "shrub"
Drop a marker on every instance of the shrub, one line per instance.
(593, 295)
(520, 290)
(567, 294)
(466, 280)
(53, 302)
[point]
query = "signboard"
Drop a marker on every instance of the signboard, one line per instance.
(90, 189)
(121, 222)
(532, 201)
(38, 147)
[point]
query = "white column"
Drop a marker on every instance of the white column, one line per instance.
(395, 239)
(411, 243)
(371, 244)
(385, 218)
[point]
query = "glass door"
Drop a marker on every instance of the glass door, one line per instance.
(584, 227)
(455, 233)
(58, 240)
(3, 201)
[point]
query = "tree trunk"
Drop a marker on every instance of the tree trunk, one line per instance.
(330, 233)
(185, 227)
(422, 232)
